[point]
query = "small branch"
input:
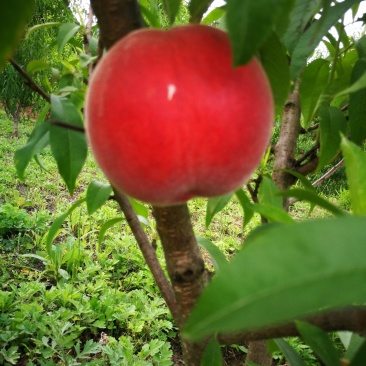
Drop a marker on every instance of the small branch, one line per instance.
(67, 125)
(116, 18)
(307, 154)
(352, 318)
(329, 173)
(29, 81)
(149, 254)
(309, 167)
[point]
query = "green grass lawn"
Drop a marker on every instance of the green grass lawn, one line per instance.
(88, 303)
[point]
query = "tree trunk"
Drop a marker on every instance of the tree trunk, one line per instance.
(286, 146)
(185, 267)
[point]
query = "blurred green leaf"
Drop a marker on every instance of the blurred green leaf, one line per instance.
(96, 195)
(65, 33)
(291, 355)
(314, 81)
(107, 225)
(275, 62)
(312, 197)
(54, 229)
(320, 342)
(68, 147)
(41, 26)
(151, 18)
(218, 258)
(272, 213)
(215, 205)
(319, 264)
(139, 208)
(14, 16)
(171, 8)
(357, 106)
(246, 205)
(212, 355)
(37, 65)
(310, 39)
(38, 140)
(197, 8)
(355, 161)
(250, 24)
(214, 15)
(300, 16)
(332, 123)
(267, 193)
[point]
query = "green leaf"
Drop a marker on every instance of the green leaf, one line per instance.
(218, 258)
(332, 123)
(214, 15)
(272, 213)
(96, 195)
(357, 106)
(275, 63)
(351, 342)
(246, 205)
(319, 264)
(39, 139)
(139, 208)
(68, 147)
(360, 356)
(267, 193)
(301, 14)
(65, 33)
(151, 18)
(304, 181)
(41, 26)
(215, 205)
(312, 197)
(37, 65)
(107, 225)
(197, 8)
(320, 343)
(355, 162)
(250, 24)
(314, 34)
(14, 16)
(313, 83)
(291, 355)
(54, 229)
(212, 355)
(171, 8)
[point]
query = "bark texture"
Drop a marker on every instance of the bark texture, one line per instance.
(185, 267)
(286, 146)
(116, 18)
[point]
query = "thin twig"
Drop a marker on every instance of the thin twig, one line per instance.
(29, 81)
(329, 173)
(352, 318)
(149, 254)
(68, 126)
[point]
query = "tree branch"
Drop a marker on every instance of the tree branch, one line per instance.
(286, 145)
(329, 173)
(67, 125)
(116, 18)
(29, 81)
(352, 318)
(185, 267)
(149, 253)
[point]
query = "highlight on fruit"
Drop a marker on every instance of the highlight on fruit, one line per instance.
(169, 118)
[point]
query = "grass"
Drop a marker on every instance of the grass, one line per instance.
(85, 304)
